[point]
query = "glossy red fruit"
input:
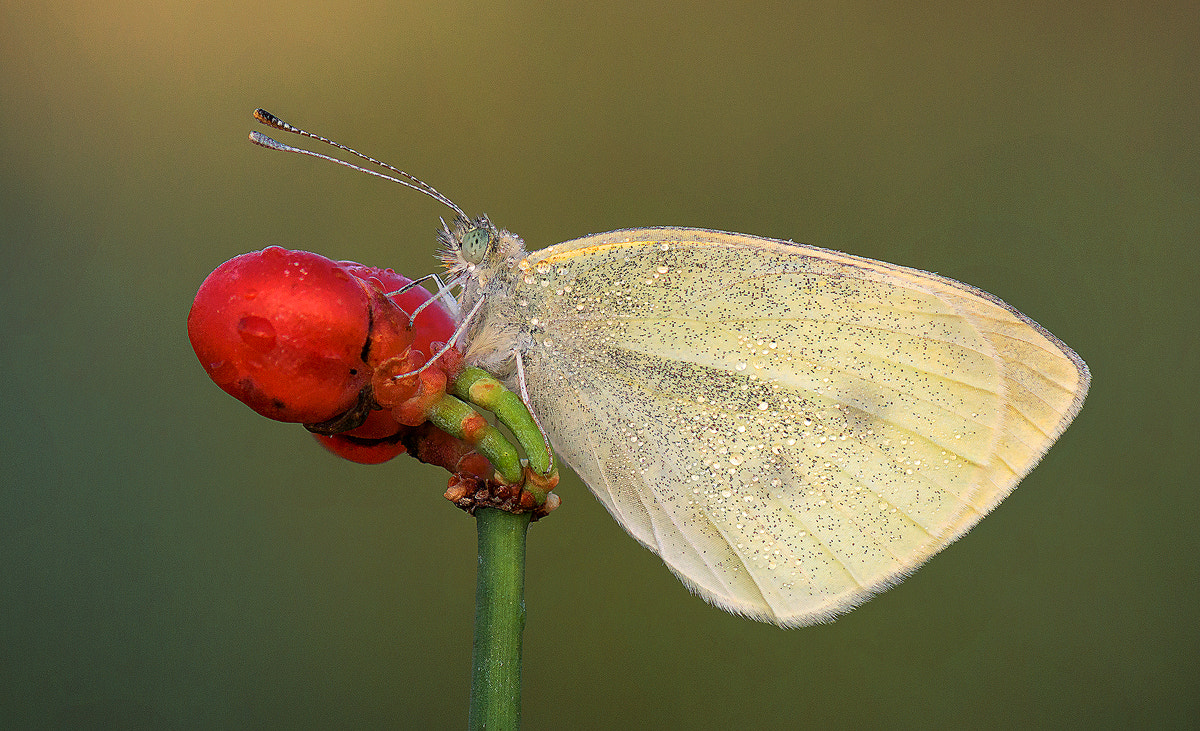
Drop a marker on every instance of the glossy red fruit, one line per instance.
(426, 443)
(376, 441)
(301, 338)
(284, 332)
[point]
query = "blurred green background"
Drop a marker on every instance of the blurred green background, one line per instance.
(168, 559)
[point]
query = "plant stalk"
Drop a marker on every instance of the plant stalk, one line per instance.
(499, 621)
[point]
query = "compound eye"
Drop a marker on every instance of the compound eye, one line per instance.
(475, 244)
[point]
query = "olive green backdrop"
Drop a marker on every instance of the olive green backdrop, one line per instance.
(168, 559)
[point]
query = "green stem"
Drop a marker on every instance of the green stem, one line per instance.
(480, 387)
(499, 621)
(450, 414)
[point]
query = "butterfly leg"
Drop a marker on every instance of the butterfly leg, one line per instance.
(443, 294)
(528, 408)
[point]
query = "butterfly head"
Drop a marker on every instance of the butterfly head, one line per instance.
(475, 248)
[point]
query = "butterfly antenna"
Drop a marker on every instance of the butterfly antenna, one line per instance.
(404, 178)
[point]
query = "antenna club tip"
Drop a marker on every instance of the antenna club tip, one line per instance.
(267, 118)
(262, 140)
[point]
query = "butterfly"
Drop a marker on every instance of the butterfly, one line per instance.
(791, 429)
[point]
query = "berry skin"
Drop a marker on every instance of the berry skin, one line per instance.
(284, 333)
(391, 334)
(379, 439)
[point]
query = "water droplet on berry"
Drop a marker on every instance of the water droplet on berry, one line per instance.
(257, 332)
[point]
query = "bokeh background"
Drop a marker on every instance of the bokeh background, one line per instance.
(170, 560)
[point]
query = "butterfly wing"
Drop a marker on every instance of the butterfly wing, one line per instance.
(791, 429)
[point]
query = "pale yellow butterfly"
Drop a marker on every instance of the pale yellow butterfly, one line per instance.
(790, 428)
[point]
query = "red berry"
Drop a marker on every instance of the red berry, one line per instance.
(284, 332)
(301, 338)
(376, 441)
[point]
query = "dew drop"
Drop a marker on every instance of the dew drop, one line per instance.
(257, 332)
